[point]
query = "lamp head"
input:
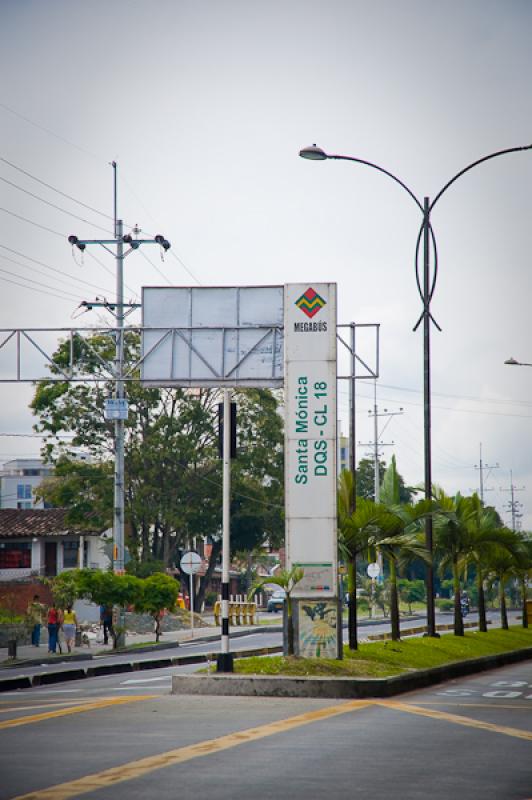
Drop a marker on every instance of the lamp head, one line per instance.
(511, 361)
(313, 153)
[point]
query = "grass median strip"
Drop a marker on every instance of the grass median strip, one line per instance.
(63, 712)
(385, 659)
(137, 769)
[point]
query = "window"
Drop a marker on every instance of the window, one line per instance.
(24, 491)
(15, 555)
(70, 554)
(24, 505)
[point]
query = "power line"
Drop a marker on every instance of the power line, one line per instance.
(41, 291)
(53, 188)
(53, 205)
(38, 283)
(38, 271)
(31, 222)
(47, 130)
(53, 269)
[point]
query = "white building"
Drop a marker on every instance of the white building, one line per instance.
(18, 480)
(39, 542)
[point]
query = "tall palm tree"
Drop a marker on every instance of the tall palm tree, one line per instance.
(356, 534)
(400, 539)
(485, 529)
(503, 566)
(524, 572)
(452, 542)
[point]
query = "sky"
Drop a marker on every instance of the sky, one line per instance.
(204, 105)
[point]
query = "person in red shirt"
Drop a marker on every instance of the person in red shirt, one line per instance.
(53, 621)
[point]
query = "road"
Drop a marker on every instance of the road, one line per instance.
(121, 737)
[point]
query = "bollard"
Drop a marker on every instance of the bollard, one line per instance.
(12, 648)
(252, 610)
(217, 608)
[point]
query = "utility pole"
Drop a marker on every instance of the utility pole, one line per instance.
(513, 506)
(118, 410)
(481, 467)
(376, 444)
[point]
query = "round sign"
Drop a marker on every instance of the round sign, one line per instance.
(373, 570)
(190, 562)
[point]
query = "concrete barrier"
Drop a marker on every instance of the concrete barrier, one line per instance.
(338, 688)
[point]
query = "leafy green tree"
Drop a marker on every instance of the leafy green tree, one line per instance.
(173, 481)
(108, 589)
(365, 480)
(524, 573)
(411, 592)
(287, 580)
(65, 588)
(158, 593)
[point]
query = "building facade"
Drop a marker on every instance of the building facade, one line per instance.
(18, 480)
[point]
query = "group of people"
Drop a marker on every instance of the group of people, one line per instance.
(57, 620)
(64, 620)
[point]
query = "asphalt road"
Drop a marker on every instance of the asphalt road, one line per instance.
(121, 737)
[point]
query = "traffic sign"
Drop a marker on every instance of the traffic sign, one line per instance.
(191, 562)
(373, 570)
(116, 408)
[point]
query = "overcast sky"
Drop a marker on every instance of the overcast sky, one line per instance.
(205, 104)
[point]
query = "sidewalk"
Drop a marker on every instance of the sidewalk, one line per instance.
(29, 653)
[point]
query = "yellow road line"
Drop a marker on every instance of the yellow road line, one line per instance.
(59, 703)
(137, 769)
(455, 718)
(63, 712)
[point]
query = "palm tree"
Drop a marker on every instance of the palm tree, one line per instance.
(287, 580)
(452, 542)
(524, 572)
(356, 534)
(503, 566)
(485, 529)
(400, 539)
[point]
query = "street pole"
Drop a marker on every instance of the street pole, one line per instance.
(225, 658)
(427, 429)
(118, 514)
(352, 418)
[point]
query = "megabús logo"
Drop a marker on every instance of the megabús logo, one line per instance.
(310, 303)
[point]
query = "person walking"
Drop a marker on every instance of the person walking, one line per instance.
(53, 621)
(35, 612)
(70, 622)
(106, 622)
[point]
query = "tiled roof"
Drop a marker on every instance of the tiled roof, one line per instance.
(38, 522)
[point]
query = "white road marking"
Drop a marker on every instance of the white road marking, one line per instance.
(145, 680)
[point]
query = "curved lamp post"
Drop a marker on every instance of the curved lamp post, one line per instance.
(426, 289)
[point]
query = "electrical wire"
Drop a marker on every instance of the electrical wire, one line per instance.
(53, 269)
(41, 291)
(53, 205)
(39, 283)
(180, 261)
(155, 267)
(53, 188)
(39, 272)
(31, 222)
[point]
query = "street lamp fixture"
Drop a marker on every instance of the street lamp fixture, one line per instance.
(426, 285)
(514, 363)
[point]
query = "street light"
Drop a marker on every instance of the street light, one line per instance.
(515, 363)
(426, 288)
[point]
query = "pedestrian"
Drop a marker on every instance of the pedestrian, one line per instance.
(35, 612)
(106, 621)
(70, 622)
(53, 620)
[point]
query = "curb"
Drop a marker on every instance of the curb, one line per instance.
(339, 688)
(29, 681)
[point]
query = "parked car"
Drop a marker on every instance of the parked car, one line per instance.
(276, 601)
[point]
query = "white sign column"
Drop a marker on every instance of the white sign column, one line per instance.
(310, 436)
